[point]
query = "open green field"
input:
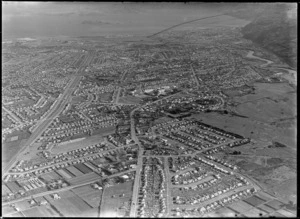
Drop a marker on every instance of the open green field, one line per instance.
(103, 131)
(41, 211)
(16, 215)
(240, 206)
(23, 205)
(78, 99)
(288, 190)
(111, 207)
(7, 210)
(105, 97)
(10, 148)
(130, 100)
(162, 120)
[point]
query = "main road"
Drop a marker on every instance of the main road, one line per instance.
(54, 111)
(138, 168)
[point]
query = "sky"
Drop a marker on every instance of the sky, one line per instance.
(51, 19)
(30, 19)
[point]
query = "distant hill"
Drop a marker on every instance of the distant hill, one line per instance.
(275, 29)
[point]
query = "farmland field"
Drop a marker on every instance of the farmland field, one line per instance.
(254, 201)
(5, 189)
(64, 174)
(13, 186)
(266, 208)
(74, 171)
(83, 168)
(254, 212)
(275, 204)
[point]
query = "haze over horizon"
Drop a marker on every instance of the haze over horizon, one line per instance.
(33, 19)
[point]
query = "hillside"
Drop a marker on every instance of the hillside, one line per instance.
(275, 29)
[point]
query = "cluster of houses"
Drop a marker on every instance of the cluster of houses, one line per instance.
(204, 185)
(63, 159)
(177, 164)
(201, 211)
(189, 177)
(215, 167)
(56, 184)
(152, 200)
(172, 126)
(208, 194)
(214, 150)
(204, 135)
(188, 140)
(223, 162)
(239, 142)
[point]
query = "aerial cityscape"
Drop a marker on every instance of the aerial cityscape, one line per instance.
(149, 109)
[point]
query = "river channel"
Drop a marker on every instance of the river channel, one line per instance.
(291, 76)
